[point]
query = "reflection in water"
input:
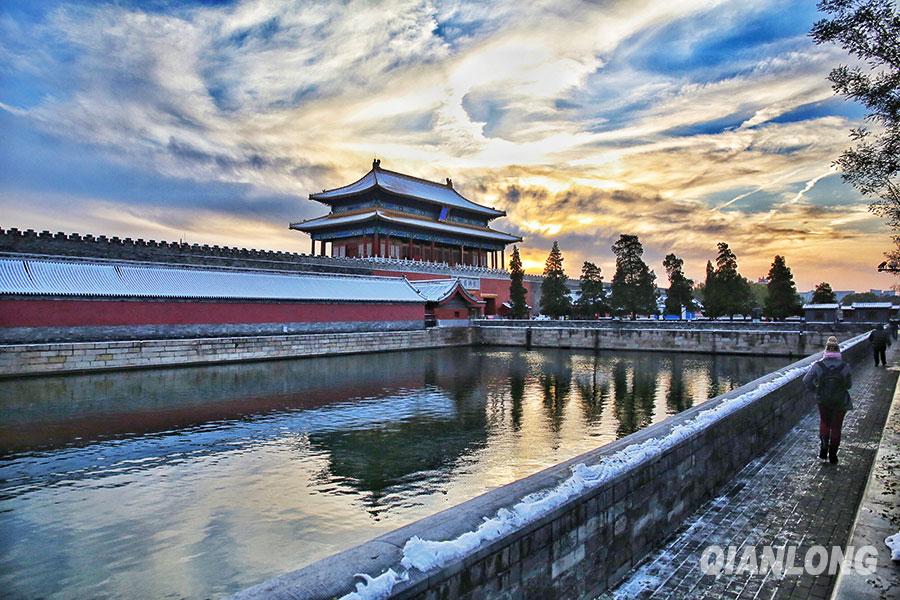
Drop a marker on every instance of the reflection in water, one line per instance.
(199, 481)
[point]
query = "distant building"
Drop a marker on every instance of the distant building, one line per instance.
(870, 312)
(393, 215)
(822, 313)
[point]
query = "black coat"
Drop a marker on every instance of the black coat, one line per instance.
(880, 339)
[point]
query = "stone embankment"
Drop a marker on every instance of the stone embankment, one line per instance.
(760, 339)
(105, 354)
(35, 359)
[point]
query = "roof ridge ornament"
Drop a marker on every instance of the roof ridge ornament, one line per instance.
(449, 183)
(376, 163)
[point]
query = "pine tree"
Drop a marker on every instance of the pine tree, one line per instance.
(555, 299)
(519, 308)
(710, 301)
(782, 300)
(634, 284)
(680, 292)
(731, 293)
(592, 301)
(824, 294)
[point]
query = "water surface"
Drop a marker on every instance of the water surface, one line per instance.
(197, 482)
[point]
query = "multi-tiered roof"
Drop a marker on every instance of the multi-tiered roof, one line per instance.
(422, 218)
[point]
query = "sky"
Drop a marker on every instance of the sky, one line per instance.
(686, 123)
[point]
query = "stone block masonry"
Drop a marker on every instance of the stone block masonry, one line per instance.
(42, 359)
(758, 341)
(592, 538)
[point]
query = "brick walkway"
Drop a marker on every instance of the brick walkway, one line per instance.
(785, 497)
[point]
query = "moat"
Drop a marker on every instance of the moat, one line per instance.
(200, 481)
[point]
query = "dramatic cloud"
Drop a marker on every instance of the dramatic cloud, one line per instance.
(686, 123)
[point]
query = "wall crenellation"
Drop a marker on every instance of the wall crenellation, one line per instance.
(16, 241)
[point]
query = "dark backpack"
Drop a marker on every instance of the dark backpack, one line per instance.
(832, 388)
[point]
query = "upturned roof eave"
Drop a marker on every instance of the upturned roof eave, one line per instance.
(480, 209)
(379, 215)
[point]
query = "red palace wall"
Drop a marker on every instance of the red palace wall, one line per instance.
(82, 313)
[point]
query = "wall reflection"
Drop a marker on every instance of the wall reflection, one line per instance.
(196, 482)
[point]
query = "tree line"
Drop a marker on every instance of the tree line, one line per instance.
(633, 291)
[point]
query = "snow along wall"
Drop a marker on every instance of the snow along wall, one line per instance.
(577, 528)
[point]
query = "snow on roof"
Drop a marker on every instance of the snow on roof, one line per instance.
(38, 277)
(825, 306)
(409, 186)
(329, 221)
(509, 305)
(872, 305)
(438, 290)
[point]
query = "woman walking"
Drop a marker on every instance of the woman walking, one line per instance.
(830, 379)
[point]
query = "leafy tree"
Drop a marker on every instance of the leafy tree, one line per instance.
(863, 297)
(727, 292)
(592, 301)
(759, 293)
(870, 31)
(634, 284)
(823, 294)
(782, 300)
(519, 308)
(681, 288)
(555, 299)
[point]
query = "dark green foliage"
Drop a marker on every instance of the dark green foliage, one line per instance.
(592, 302)
(726, 292)
(824, 294)
(680, 292)
(519, 308)
(555, 299)
(865, 297)
(870, 31)
(782, 300)
(634, 284)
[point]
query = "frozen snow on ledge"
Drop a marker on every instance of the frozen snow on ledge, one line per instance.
(425, 555)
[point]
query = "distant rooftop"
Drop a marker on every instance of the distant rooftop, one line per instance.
(408, 186)
(438, 290)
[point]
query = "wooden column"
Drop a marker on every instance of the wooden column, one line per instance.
(387, 245)
(503, 259)
(312, 249)
(409, 250)
(432, 252)
(376, 249)
(323, 248)
(462, 254)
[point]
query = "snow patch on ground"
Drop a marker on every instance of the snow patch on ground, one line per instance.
(376, 588)
(425, 555)
(893, 542)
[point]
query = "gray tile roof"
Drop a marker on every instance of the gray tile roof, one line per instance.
(409, 186)
(76, 278)
(331, 220)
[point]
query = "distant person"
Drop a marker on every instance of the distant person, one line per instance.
(895, 325)
(830, 379)
(880, 341)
